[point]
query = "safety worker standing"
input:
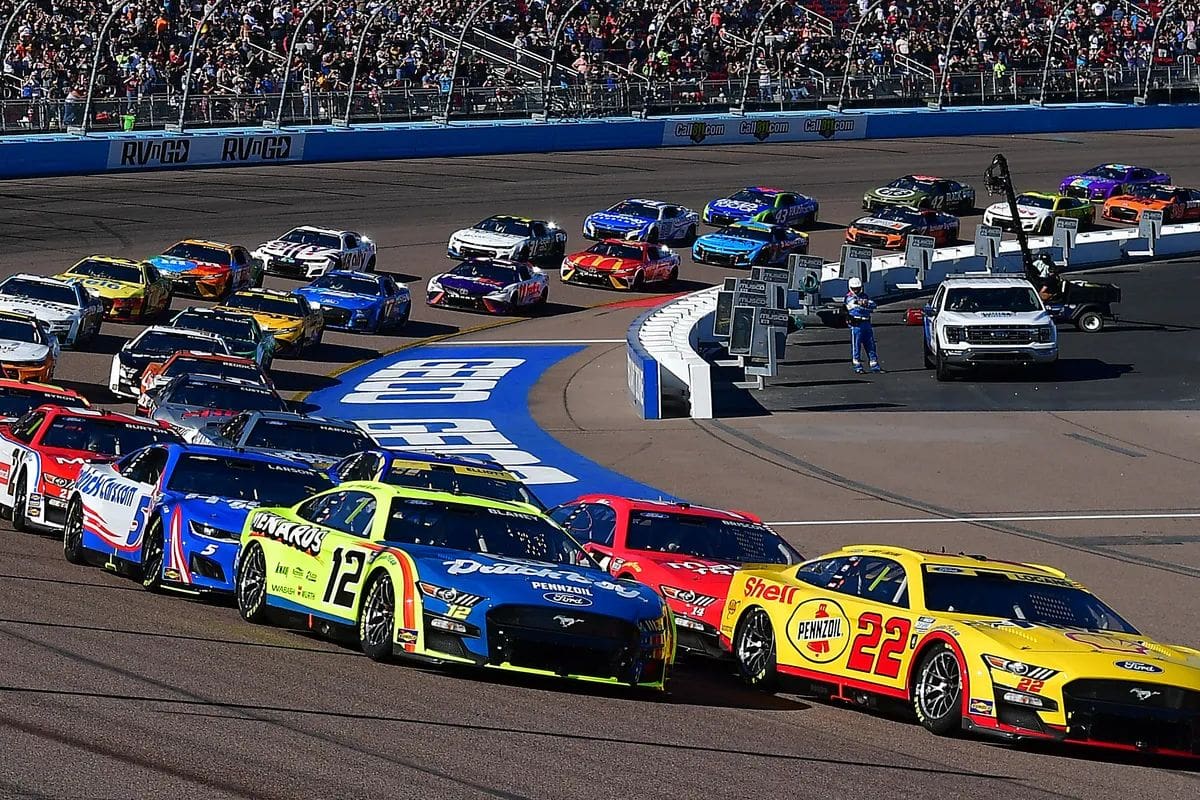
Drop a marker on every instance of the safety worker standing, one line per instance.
(862, 335)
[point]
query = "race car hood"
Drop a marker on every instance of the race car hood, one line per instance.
(489, 239)
(220, 512)
(728, 243)
(537, 583)
(1090, 182)
(334, 299)
(65, 462)
(185, 266)
(1130, 201)
(300, 252)
(995, 317)
(899, 197)
(693, 586)
(619, 222)
(882, 225)
(475, 287)
(279, 325)
(738, 209)
(191, 418)
(1000, 211)
(104, 287)
(16, 352)
(602, 263)
(317, 461)
(47, 312)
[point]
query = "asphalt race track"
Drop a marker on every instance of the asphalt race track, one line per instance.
(109, 692)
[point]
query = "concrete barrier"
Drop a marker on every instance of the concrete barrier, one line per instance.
(664, 366)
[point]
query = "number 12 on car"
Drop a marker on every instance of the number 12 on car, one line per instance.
(345, 577)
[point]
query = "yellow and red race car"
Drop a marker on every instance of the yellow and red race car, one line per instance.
(1177, 203)
(618, 264)
(130, 290)
(1018, 651)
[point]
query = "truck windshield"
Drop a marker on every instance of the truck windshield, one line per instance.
(1018, 299)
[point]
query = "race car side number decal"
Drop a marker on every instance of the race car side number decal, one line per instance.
(885, 663)
(344, 577)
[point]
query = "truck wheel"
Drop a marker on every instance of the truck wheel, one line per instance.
(929, 362)
(943, 370)
(1090, 322)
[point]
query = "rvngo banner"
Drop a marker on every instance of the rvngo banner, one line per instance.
(190, 151)
(743, 130)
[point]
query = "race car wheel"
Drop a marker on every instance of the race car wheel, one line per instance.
(689, 238)
(1088, 321)
(754, 649)
(371, 264)
(937, 691)
(377, 620)
(73, 533)
(672, 276)
(152, 558)
(638, 283)
(251, 583)
(543, 299)
(20, 518)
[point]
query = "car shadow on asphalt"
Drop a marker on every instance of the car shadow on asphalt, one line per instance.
(106, 343)
(1068, 370)
(1075, 752)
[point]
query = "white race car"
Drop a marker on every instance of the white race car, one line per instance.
(509, 238)
(308, 252)
(1038, 210)
(66, 308)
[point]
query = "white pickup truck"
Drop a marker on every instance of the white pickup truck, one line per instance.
(978, 320)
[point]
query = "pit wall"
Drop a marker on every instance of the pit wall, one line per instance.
(38, 155)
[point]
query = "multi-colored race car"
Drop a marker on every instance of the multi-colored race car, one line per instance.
(1107, 180)
(69, 311)
(294, 324)
(28, 351)
(442, 577)
(495, 287)
(688, 553)
(1017, 651)
(367, 302)
(197, 404)
(749, 244)
(211, 270)
(1038, 210)
(620, 264)
(889, 228)
(316, 441)
(762, 204)
(307, 252)
(158, 374)
(42, 451)
(172, 514)
(923, 191)
(509, 238)
(130, 291)
(241, 332)
(1177, 204)
(643, 220)
(18, 397)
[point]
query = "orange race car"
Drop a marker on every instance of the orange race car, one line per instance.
(889, 228)
(1177, 203)
(619, 264)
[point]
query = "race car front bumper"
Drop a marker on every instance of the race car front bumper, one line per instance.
(720, 258)
(593, 277)
(46, 512)
(462, 302)
(25, 371)
(205, 285)
(293, 267)
(1028, 224)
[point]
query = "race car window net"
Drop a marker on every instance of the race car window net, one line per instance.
(104, 437)
(290, 307)
(725, 540)
(512, 227)
(999, 595)
(21, 331)
(306, 437)
(225, 396)
(225, 327)
(1033, 201)
(447, 479)
(998, 298)
(475, 529)
(750, 233)
(236, 478)
(164, 342)
(126, 273)
(588, 522)
(345, 283)
(323, 240)
(753, 196)
(614, 250)
(212, 369)
(486, 270)
(15, 402)
(199, 252)
(36, 290)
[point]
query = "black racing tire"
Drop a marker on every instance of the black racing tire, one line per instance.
(937, 691)
(1047, 227)
(943, 369)
(754, 650)
(227, 289)
(638, 283)
(153, 553)
(371, 264)
(20, 515)
(402, 321)
(377, 619)
(250, 584)
(689, 238)
(1090, 321)
(672, 277)
(73, 533)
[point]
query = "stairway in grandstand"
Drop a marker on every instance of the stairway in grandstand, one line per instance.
(528, 66)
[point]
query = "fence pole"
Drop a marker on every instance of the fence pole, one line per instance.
(287, 70)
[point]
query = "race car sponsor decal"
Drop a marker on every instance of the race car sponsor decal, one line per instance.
(760, 589)
(562, 599)
(306, 538)
(1138, 666)
(1107, 643)
(110, 490)
(469, 566)
(406, 635)
(184, 151)
(982, 707)
(819, 630)
(701, 568)
(764, 128)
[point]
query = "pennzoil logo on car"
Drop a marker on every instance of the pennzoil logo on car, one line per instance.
(819, 630)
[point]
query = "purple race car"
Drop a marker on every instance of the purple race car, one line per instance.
(1102, 182)
(489, 285)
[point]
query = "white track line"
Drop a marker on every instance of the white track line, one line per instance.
(943, 520)
(466, 343)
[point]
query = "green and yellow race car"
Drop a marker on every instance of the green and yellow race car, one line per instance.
(449, 578)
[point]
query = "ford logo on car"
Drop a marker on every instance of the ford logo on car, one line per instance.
(1138, 666)
(563, 599)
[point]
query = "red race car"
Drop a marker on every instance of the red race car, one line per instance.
(41, 453)
(17, 397)
(617, 264)
(688, 553)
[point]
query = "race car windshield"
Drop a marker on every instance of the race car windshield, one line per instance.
(748, 233)
(346, 283)
(1007, 596)
(244, 479)
(635, 210)
(754, 196)
(614, 250)
(487, 271)
(1149, 192)
(126, 273)
(16, 330)
(104, 437)
(241, 330)
(225, 396)
(727, 540)
(1034, 201)
(1001, 298)
(199, 252)
(509, 226)
(474, 529)
(910, 182)
(265, 304)
(1108, 173)
(36, 290)
(443, 478)
(215, 369)
(163, 342)
(313, 238)
(15, 402)
(306, 437)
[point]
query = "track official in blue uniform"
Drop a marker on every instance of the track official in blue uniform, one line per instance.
(862, 335)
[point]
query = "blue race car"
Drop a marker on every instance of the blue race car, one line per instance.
(172, 514)
(442, 472)
(763, 204)
(359, 301)
(643, 220)
(749, 244)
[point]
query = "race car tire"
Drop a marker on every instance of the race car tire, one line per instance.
(543, 300)
(371, 264)
(250, 584)
(638, 283)
(1089, 321)
(73, 533)
(20, 517)
(672, 276)
(937, 691)
(377, 619)
(689, 238)
(754, 649)
(152, 557)
(1047, 226)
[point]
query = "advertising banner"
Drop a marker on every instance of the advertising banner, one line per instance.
(191, 151)
(748, 130)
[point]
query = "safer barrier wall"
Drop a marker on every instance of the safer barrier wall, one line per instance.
(63, 154)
